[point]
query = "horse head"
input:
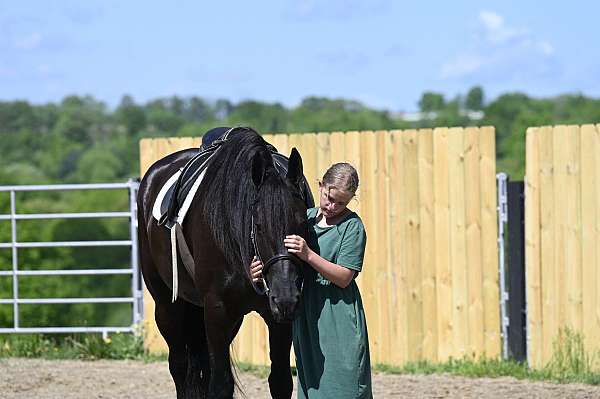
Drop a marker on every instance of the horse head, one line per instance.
(279, 210)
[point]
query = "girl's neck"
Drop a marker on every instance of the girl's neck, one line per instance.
(323, 221)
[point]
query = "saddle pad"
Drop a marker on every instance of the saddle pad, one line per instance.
(160, 207)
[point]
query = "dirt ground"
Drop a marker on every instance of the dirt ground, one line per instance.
(46, 379)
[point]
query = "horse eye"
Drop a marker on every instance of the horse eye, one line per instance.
(302, 224)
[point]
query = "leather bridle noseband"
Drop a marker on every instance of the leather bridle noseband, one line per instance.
(267, 265)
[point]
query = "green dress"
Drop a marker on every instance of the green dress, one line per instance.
(330, 331)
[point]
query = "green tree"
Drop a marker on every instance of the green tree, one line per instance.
(82, 120)
(316, 114)
(266, 117)
(431, 102)
(222, 108)
(474, 100)
(130, 115)
(198, 110)
(15, 116)
(98, 165)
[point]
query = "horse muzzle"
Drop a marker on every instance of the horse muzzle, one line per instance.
(284, 308)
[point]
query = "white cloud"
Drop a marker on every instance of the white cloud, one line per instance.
(502, 53)
(462, 65)
(28, 42)
(496, 32)
(491, 20)
(546, 48)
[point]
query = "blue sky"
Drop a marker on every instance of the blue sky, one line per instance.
(383, 53)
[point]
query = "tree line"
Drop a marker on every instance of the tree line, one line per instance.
(81, 140)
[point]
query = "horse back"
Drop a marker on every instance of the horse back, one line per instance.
(154, 240)
(157, 175)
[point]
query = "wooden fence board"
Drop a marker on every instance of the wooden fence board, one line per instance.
(573, 293)
(589, 253)
(442, 243)
(458, 253)
(562, 237)
(381, 276)
(399, 249)
(595, 316)
(489, 250)
(547, 224)
(560, 136)
(427, 248)
(532, 247)
(413, 246)
(473, 242)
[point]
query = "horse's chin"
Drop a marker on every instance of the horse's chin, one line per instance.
(285, 315)
(281, 320)
(280, 317)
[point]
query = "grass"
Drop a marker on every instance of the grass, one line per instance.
(75, 346)
(570, 363)
(258, 371)
(464, 367)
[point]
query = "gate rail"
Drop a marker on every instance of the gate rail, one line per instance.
(136, 284)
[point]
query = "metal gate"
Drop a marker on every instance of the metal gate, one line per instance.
(136, 283)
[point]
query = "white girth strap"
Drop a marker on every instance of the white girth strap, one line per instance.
(174, 263)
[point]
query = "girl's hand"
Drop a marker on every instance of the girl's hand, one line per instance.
(256, 269)
(297, 245)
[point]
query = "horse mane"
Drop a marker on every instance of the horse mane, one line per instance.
(231, 197)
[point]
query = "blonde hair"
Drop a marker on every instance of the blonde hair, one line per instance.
(342, 176)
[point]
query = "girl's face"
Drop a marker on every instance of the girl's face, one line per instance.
(332, 201)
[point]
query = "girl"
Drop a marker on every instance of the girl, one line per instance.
(330, 331)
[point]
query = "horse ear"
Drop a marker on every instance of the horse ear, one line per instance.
(258, 169)
(294, 172)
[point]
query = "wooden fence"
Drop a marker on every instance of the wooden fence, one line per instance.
(428, 201)
(562, 211)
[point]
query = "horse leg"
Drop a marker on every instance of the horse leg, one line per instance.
(280, 343)
(198, 371)
(219, 327)
(170, 321)
(169, 316)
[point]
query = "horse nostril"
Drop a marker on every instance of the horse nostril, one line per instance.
(285, 307)
(276, 302)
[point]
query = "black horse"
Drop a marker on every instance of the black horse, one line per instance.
(242, 194)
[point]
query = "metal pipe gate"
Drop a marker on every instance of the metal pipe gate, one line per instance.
(136, 283)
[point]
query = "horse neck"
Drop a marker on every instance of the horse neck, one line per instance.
(226, 208)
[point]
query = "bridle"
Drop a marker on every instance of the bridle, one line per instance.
(267, 265)
(277, 257)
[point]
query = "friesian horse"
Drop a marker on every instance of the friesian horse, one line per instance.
(241, 195)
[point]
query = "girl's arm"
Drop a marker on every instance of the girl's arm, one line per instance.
(338, 275)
